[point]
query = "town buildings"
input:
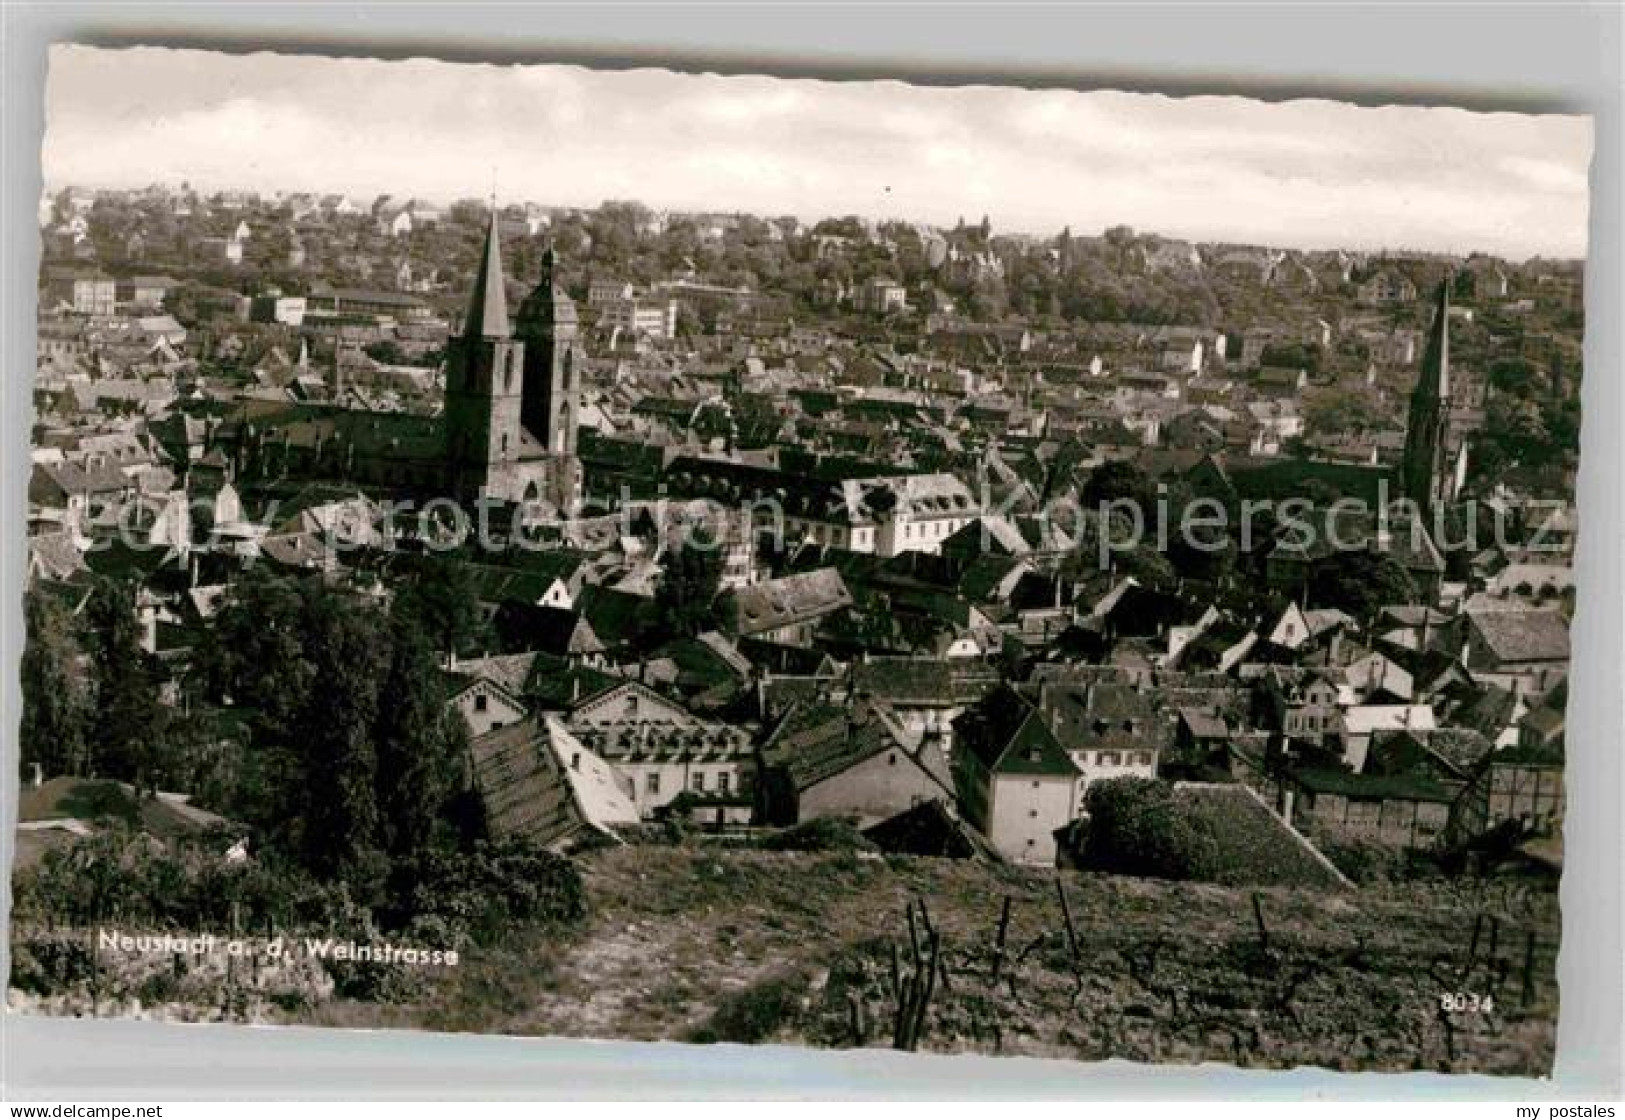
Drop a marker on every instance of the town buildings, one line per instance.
(911, 614)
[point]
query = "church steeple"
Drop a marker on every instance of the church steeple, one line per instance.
(1427, 468)
(484, 367)
(548, 325)
(1435, 379)
(488, 307)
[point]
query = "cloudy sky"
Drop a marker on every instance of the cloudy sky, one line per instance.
(1300, 173)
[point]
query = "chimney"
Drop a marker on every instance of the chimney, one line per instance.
(575, 689)
(39, 776)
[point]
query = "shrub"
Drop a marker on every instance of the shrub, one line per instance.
(753, 1014)
(822, 834)
(1367, 860)
(48, 963)
(480, 892)
(1137, 827)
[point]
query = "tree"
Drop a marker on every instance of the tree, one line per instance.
(348, 647)
(1360, 582)
(688, 589)
(1137, 827)
(419, 744)
(387, 352)
(56, 703)
(442, 598)
(130, 721)
(254, 654)
(1120, 481)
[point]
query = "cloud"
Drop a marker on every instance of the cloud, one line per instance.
(1312, 173)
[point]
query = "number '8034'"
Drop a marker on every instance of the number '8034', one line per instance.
(1466, 1001)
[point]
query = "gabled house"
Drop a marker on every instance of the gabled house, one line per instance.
(660, 747)
(539, 783)
(1525, 652)
(484, 704)
(1016, 782)
(788, 610)
(1394, 809)
(919, 691)
(1523, 784)
(825, 760)
(1108, 729)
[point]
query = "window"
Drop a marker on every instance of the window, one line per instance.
(1032, 813)
(651, 781)
(722, 781)
(1036, 785)
(697, 782)
(575, 760)
(891, 759)
(480, 701)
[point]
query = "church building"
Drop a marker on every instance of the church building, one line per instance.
(1434, 468)
(507, 432)
(511, 396)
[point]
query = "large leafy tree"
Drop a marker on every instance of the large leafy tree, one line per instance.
(419, 744)
(348, 647)
(688, 588)
(130, 721)
(1360, 582)
(1136, 827)
(442, 599)
(56, 701)
(1118, 481)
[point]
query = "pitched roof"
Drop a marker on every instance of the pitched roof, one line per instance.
(1375, 787)
(815, 742)
(775, 603)
(538, 782)
(912, 681)
(1522, 635)
(509, 671)
(1010, 736)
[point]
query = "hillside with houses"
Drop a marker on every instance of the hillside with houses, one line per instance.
(648, 580)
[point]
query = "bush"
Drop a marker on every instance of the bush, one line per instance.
(1138, 827)
(47, 964)
(753, 1014)
(479, 893)
(1367, 861)
(822, 834)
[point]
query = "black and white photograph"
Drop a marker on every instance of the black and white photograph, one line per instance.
(648, 555)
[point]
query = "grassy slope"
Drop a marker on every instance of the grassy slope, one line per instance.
(700, 944)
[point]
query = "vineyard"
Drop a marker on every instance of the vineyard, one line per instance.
(847, 950)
